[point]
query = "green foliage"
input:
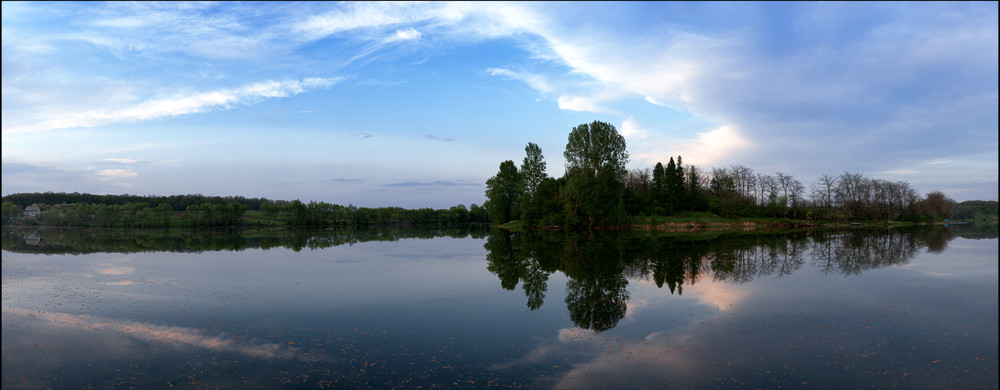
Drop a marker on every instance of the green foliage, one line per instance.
(235, 214)
(595, 169)
(533, 168)
(503, 193)
(592, 201)
(596, 149)
(659, 186)
(597, 191)
(533, 174)
(672, 187)
(975, 210)
(933, 208)
(696, 194)
(176, 202)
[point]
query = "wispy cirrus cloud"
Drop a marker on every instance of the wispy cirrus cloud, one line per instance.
(199, 30)
(806, 88)
(538, 82)
(461, 21)
(354, 16)
(176, 105)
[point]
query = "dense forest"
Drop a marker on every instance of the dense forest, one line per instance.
(597, 191)
(75, 209)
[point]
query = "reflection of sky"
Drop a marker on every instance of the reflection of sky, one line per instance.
(717, 294)
(348, 306)
(429, 309)
(897, 326)
(119, 332)
(277, 279)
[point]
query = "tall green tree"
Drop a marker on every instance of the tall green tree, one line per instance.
(532, 174)
(596, 148)
(672, 186)
(680, 190)
(503, 192)
(696, 196)
(659, 188)
(533, 168)
(595, 169)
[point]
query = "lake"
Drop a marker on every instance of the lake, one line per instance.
(475, 308)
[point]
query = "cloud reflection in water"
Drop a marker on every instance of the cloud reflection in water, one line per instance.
(126, 332)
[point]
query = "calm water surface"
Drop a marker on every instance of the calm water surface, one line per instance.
(850, 309)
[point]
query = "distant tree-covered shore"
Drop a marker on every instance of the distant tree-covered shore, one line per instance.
(89, 210)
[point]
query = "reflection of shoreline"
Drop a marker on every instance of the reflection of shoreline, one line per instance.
(807, 330)
(108, 240)
(600, 266)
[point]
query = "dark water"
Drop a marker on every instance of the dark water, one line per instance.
(475, 309)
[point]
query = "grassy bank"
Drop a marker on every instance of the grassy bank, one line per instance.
(694, 221)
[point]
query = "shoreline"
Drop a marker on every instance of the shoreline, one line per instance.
(728, 225)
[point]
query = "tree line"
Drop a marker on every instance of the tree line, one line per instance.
(176, 202)
(165, 211)
(597, 191)
(322, 214)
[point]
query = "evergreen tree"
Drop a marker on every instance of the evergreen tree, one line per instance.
(658, 192)
(672, 187)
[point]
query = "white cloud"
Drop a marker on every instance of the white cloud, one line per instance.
(176, 105)
(117, 173)
(356, 16)
(630, 129)
(122, 160)
(714, 146)
(842, 89)
(536, 82)
(408, 34)
(584, 104)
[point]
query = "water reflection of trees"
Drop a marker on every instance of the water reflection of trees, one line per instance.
(82, 241)
(599, 266)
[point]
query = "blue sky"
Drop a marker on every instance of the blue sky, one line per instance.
(416, 104)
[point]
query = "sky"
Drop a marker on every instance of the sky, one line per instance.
(417, 104)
